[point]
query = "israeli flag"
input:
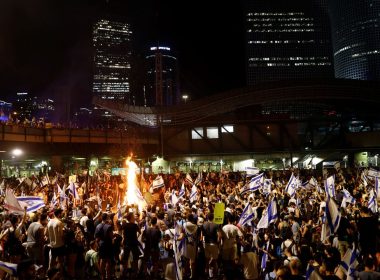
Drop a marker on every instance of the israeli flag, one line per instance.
(189, 179)
(73, 191)
(292, 186)
(332, 218)
(178, 252)
(10, 268)
(377, 186)
(174, 198)
(247, 215)
(193, 195)
(267, 187)
(254, 184)
(158, 183)
(270, 215)
(264, 258)
(33, 203)
(54, 200)
(372, 202)
(330, 186)
(182, 191)
(347, 197)
(199, 179)
(349, 263)
(251, 171)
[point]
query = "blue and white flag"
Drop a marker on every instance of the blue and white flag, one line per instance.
(264, 258)
(182, 191)
(54, 200)
(330, 186)
(309, 271)
(199, 179)
(292, 186)
(372, 202)
(189, 179)
(332, 219)
(377, 186)
(174, 199)
(267, 186)
(270, 215)
(364, 179)
(157, 183)
(251, 171)
(347, 197)
(10, 268)
(73, 191)
(178, 252)
(254, 184)
(33, 203)
(193, 194)
(350, 262)
(247, 215)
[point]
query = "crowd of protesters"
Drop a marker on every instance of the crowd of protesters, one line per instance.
(91, 237)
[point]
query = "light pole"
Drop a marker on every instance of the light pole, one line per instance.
(185, 97)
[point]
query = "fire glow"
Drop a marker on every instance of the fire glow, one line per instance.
(133, 192)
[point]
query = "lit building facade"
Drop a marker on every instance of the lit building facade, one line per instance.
(112, 60)
(287, 40)
(356, 40)
(162, 86)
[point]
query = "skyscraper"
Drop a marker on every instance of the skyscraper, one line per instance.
(162, 86)
(356, 40)
(112, 60)
(287, 40)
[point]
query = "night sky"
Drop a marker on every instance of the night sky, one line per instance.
(46, 47)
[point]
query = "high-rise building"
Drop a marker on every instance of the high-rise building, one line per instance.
(162, 86)
(356, 40)
(287, 40)
(112, 60)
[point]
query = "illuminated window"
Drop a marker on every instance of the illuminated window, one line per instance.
(227, 129)
(212, 132)
(197, 133)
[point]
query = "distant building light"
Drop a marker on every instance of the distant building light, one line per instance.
(160, 48)
(22, 93)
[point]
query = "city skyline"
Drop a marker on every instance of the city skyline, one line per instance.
(46, 47)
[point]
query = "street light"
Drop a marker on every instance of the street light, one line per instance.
(17, 152)
(185, 97)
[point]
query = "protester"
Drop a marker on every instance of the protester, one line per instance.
(297, 229)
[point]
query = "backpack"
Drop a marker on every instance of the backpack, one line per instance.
(90, 268)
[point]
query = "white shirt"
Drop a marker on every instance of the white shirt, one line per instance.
(230, 232)
(55, 231)
(83, 222)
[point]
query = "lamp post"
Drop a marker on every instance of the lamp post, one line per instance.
(185, 97)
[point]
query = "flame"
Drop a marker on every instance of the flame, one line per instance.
(132, 194)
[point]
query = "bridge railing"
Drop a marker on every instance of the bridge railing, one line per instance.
(17, 133)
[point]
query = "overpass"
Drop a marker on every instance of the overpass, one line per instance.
(73, 141)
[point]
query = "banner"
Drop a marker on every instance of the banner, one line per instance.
(219, 213)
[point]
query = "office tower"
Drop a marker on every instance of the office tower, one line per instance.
(112, 60)
(287, 40)
(162, 77)
(356, 40)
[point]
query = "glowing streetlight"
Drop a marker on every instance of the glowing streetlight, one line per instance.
(185, 97)
(17, 152)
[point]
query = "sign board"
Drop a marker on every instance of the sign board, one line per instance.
(219, 213)
(72, 179)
